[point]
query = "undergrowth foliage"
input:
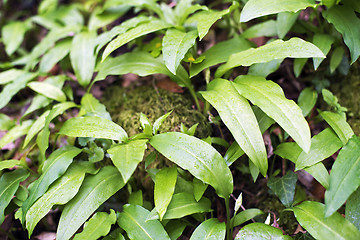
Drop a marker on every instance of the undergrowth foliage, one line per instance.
(116, 183)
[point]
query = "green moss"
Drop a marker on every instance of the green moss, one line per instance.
(126, 105)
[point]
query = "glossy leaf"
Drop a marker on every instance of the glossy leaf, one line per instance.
(310, 215)
(54, 55)
(198, 157)
(134, 221)
(245, 216)
(284, 187)
(323, 145)
(184, 8)
(35, 128)
(209, 229)
(264, 29)
(165, 181)
(220, 53)
(9, 183)
(10, 75)
(323, 42)
(260, 231)
(344, 176)
(344, 19)
(13, 35)
(175, 44)
(269, 97)
(199, 188)
(127, 156)
(92, 126)
(9, 164)
(159, 121)
(264, 69)
(48, 90)
(94, 191)
(15, 132)
(278, 49)
(336, 58)
(339, 125)
(98, 225)
(352, 210)
(299, 64)
(53, 168)
(82, 56)
(284, 22)
(237, 115)
(257, 8)
(140, 30)
(59, 193)
(175, 228)
(91, 106)
(307, 100)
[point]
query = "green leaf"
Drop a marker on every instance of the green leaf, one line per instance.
(269, 97)
(59, 193)
(278, 49)
(323, 145)
(82, 56)
(134, 221)
(260, 231)
(352, 210)
(12, 35)
(310, 215)
(284, 22)
(9, 183)
(344, 176)
(339, 125)
(158, 122)
(184, 8)
(344, 19)
(175, 228)
(91, 106)
(264, 69)
(92, 126)
(136, 198)
(48, 90)
(10, 75)
(54, 55)
(94, 191)
(35, 128)
(98, 225)
(299, 64)
(284, 187)
(209, 229)
(307, 100)
(336, 58)
(14, 87)
(257, 8)
(245, 216)
(127, 156)
(9, 164)
(140, 30)
(165, 181)
(199, 188)
(263, 29)
(15, 133)
(198, 157)
(355, 4)
(175, 44)
(220, 53)
(237, 115)
(53, 168)
(184, 204)
(100, 18)
(323, 42)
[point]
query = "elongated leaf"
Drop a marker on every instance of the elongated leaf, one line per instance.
(210, 229)
(344, 19)
(344, 177)
(269, 97)
(184, 8)
(142, 64)
(134, 221)
(299, 64)
(59, 193)
(175, 44)
(237, 115)
(257, 8)
(278, 49)
(199, 188)
(311, 217)
(9, 164)
(284, 22)
(98, 225)
(165, 181)
(94, 191)
(14, 87)
(91, 106)
(323, 42)
(10, 75)
(352, 210)
(92, 126)
(198, 157)
(48, 90)
(13, 35)
(53, 168)
(339, 125)
(133, 33)
(175, 228)
(15, 133)
(260, 231)
(307, 100)
(6, 122)
(336, 58)
(54, 55)
(158, 122)
(264, 29)
(245, 216)
(9, 183)
(220, 53)
(323, 145)
(284, 187)
(127, 156)
(264, 69)
(35, 128)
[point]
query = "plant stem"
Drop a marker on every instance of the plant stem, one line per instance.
(228, 224)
